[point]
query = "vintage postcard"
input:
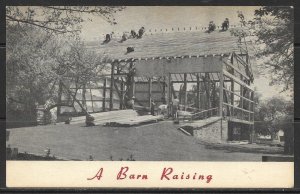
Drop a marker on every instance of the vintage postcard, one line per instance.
(150, 96)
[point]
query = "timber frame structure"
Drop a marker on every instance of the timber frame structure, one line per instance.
(213, 77)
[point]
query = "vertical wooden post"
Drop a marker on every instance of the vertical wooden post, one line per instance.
(149, 91)
(169, 94)
(221, 94)
(185, 90)
(111, 87)
(59, 99)
(83, 97)
(104, 95)
(92, 101)
(252, 109)
(133, 86)
(221, 101)
(242, 102)
(207, 89)
(122, 94)
(198, 91)
(164, 89)
(232, 98)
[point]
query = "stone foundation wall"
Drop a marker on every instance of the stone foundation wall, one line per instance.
(213, 132)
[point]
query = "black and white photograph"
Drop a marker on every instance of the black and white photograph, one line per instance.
(150, 83)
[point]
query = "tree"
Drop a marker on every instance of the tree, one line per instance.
(58, 19)
(37, 60)
(273, 115)
(272, 34)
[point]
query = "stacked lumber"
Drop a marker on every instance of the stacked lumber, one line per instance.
(132, 121)
(118, 118)
(103, 117)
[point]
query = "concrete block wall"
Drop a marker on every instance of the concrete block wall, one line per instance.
(214, 132)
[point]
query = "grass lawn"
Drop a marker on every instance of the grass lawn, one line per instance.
(153, 142)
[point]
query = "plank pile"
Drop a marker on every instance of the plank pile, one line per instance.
(118, 118)
(132, 121)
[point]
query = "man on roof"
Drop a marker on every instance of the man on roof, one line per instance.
(141, 32)
(225, 24)
(133, 34)
(211, 26)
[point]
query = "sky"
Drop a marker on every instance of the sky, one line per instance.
(166, 17)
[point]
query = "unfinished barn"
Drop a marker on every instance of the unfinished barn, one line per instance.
(210, 74)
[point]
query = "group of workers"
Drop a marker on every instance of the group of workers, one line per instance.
(133, 34)
(162, 109)
(212, 25)
(126, 35)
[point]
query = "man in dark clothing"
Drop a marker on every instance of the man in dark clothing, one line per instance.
(211, 26)
(225, 24)
(141, 32)
(133, 34)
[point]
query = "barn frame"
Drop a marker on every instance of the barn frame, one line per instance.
(216, 64)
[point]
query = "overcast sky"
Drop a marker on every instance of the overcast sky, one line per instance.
(162, 17)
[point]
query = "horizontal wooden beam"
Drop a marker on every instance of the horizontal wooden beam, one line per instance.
(240, 121)
(237, 80)
(236, 69)
(136, 91)
(238, 95)
(235, 107)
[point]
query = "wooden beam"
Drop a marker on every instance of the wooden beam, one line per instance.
(235, 107)
(198, 91)
(238, 95)
(207, 89)
(199, 81)
(92, 100)
(149, 91)
(104, 95)
(169, 94)
(122, 94)
(185, 90)
(240, 121)
(111, 86)
(237, 80)
(221, 96)
(236, 69)
(59, 98)
(152, 92)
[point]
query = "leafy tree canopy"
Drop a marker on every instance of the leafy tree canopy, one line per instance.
(272, 34)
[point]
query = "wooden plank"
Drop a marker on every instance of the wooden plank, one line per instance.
(111, 87)
(185, 90)
(59, 98)
(198, 91)
(238, 95)
(240, 121)
(92, 100)
(122, 94)
(237, 80)
(104, 94)
(221, 96)
(236, 69)
(170, 85)
(149, 91)
(237, 108)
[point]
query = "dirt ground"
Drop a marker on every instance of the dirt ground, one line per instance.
(153, 142)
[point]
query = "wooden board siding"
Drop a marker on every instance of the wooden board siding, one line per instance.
(162, 67)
